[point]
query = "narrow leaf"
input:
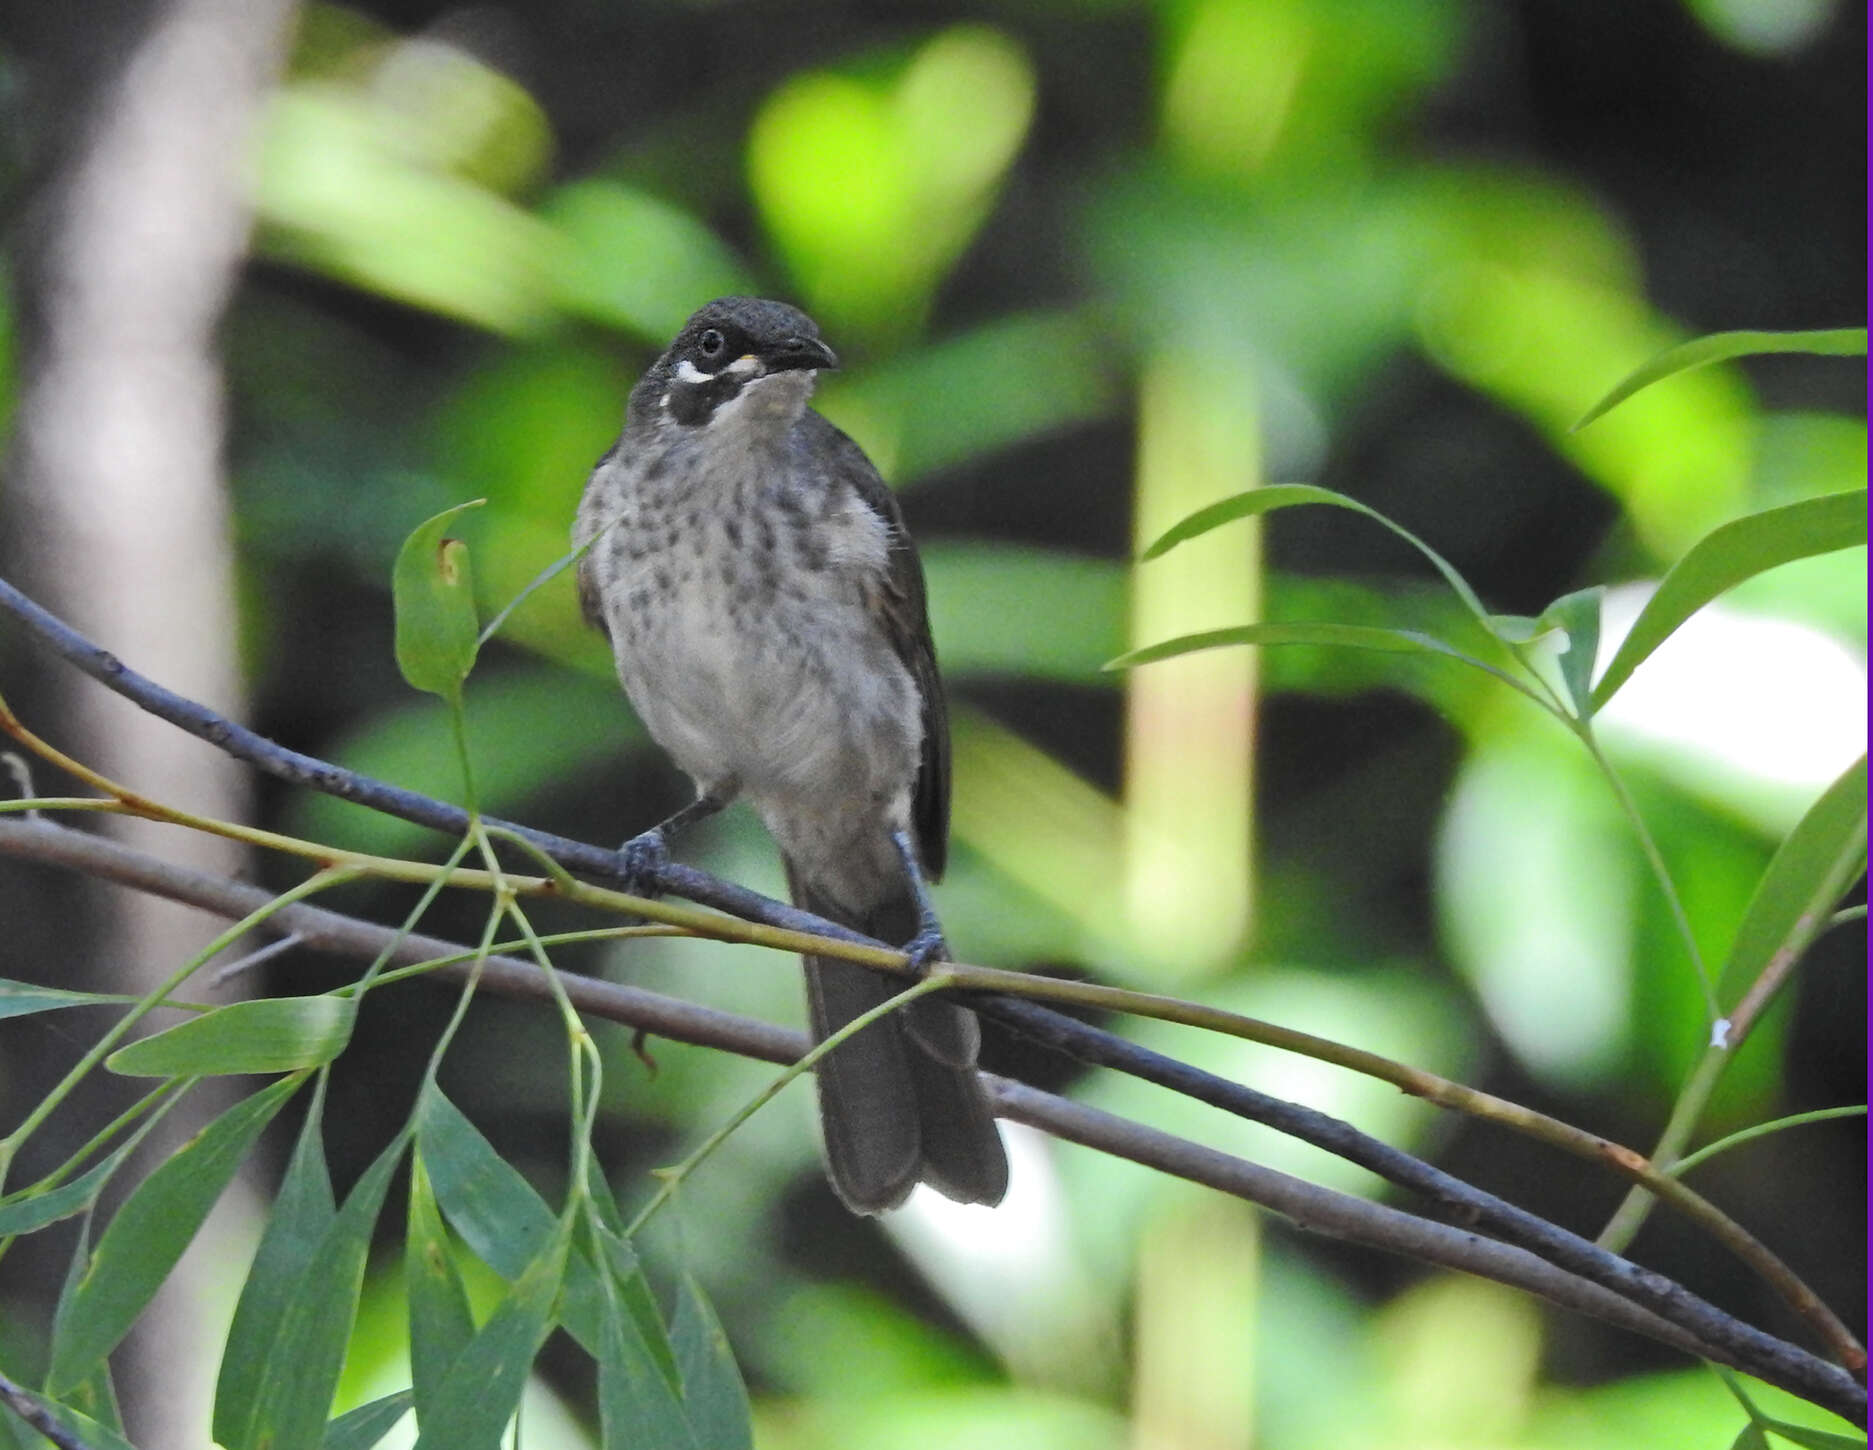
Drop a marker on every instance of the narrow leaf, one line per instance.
(28, 1212)
(713, 1392)
(22, 999)
(626, 1276)
(598, 1190)
(1820, 859)
(1727, 556)
(1351, 636)
(302, 1215)
(149, 1233)
(269, 1034)
(1289, 495)
(437, 633)
(1813, 1439)
(638, 1409)
(617, 1255)
(440, 1323)
(482, 1389)
(94, 1395)
(1750, 1437)
(83, 1430)
(1578, 614)
(363, 1427)
(308, 1349)
(502, 1220)
(1519, 629)
(1723, 347)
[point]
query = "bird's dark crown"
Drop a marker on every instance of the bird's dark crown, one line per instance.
(724, 346)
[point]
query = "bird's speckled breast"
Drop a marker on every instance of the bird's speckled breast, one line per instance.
(736, 597)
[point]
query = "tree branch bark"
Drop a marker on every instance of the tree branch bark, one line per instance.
(1308, 1206)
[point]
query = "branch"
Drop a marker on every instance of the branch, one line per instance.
(1308, 1206)
(30, 1408)
(997, 991)
(1086, 1043)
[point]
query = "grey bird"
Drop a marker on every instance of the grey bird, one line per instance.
(766, 610)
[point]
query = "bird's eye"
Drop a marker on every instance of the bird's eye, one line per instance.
(711, 342)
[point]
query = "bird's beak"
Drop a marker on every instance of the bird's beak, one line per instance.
(795, 354)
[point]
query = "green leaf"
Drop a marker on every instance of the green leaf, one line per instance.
(1351, 636)
(1750, 1437)
(27, 1212)
(1723, 347)
(620, 1259)
(965, 396)
(437, 631)
(308, 1348)
(981, 611)
(149, 1233)
(713, 1392)
(269, 1034)
(637, 1405)
(1578, 614)
(627, 1277)
(363, 1427)
(1520, 629)
(1813, 1439)
(85, 1431)
(506, 1224)
(1727, 556)
(502, 1220)
(441, 1325)
(1289, 495)
(1820, 859)
(22, 999)
(482, 1389)
(302, 1215)
(635, 261)
(94, 1395)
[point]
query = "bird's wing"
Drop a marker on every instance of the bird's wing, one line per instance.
(907, 623)
(591, 601)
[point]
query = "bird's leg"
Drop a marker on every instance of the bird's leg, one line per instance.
(928, 945)
(646, 854)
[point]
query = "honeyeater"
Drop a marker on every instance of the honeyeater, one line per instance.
(766, 610)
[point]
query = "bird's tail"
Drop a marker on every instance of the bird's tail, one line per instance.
(901, 1101)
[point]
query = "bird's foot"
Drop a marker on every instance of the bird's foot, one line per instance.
(642, 860)
(926, 948)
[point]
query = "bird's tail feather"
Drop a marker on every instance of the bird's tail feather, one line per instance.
(900, 1102)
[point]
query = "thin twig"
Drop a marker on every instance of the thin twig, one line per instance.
(762, 921)
(1317, 1209)
(259, 957)
(30, 1408)
(1597, 1262)
(791, 929)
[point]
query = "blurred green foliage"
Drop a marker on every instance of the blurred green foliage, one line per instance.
(1331, 229)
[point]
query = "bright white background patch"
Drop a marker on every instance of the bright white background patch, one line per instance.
(1758, 713)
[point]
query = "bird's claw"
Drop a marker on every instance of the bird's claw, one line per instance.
(642, 860)
(926, 949)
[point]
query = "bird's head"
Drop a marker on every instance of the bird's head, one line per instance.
(738, 355)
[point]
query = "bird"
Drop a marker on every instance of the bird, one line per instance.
(766, 611)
